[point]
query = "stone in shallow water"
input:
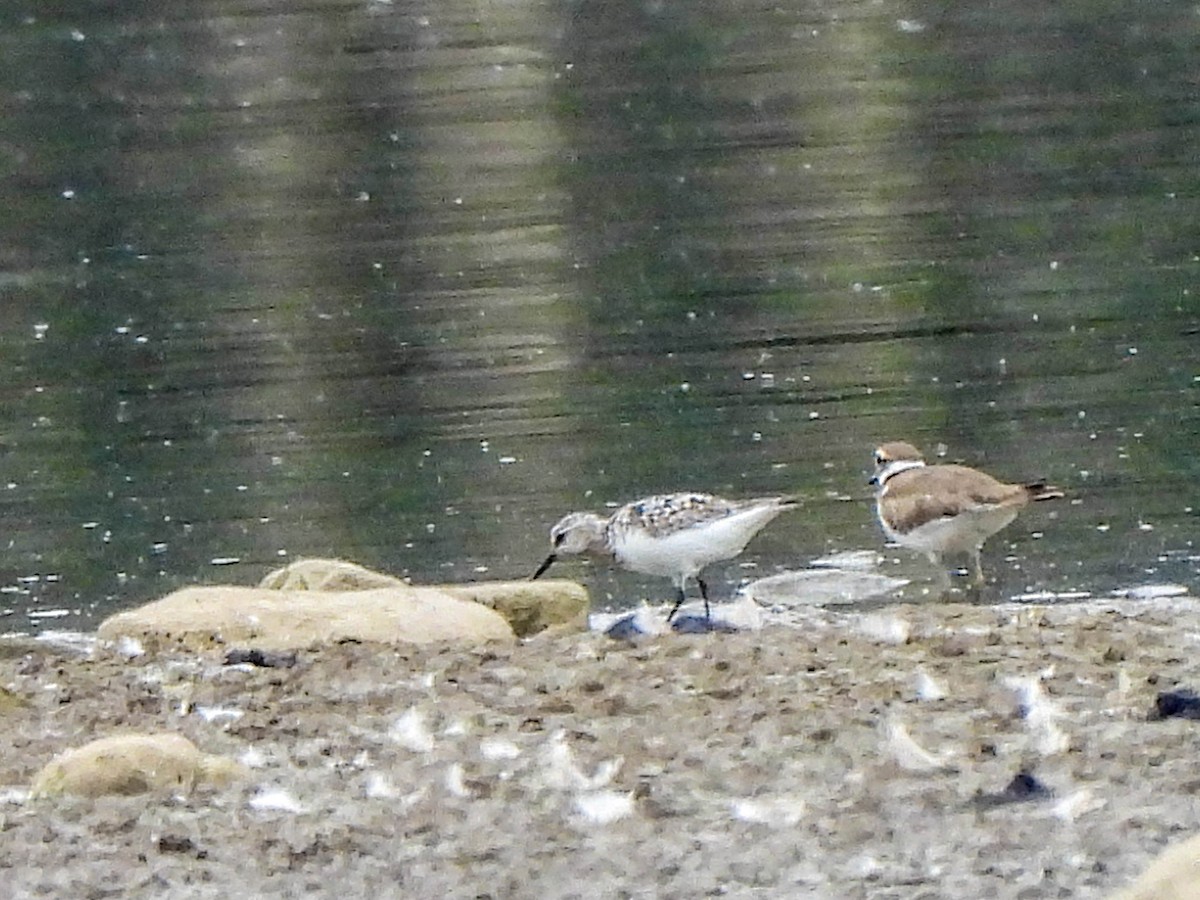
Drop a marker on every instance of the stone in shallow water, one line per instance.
(630, 628)
(822, 587)
(1153, 591)
(701, 625)
(626, 629)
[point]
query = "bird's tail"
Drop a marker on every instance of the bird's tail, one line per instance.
(1039, 490)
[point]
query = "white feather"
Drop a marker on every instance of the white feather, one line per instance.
(562, 772)
(604, 807)
(411, 732)
(910, 755)
(1041, 715)
(275, 799)
(782, 811)
(927, 688)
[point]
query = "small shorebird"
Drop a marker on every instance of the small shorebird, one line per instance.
(667, 534)
(945, 509)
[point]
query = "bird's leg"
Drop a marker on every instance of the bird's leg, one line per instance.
(704, 594)
(680, 596)
(945, 580)
(976, 568)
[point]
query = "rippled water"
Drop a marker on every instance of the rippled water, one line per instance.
(402, 282)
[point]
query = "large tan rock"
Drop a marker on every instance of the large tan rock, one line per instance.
(530, 606)
(1174, 875)
(327, 575)
(203, 617)
(134, 764)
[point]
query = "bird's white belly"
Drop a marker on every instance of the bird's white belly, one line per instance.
(688, 551)
(954, 534)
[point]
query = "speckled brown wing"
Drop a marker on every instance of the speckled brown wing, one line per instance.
(668, 513)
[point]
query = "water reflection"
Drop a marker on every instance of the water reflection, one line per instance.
(402, 283)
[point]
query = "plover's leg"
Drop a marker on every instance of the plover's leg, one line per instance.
(945, 579)
(976, 568)
(704, 594)
(680, 596)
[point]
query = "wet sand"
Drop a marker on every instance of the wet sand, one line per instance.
(813, 759)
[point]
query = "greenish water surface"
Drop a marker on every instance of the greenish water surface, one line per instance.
(403, 282)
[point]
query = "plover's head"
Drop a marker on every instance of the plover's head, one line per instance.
(577, 532)
(893, 457)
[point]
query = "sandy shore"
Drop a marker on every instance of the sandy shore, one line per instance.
(810, 760)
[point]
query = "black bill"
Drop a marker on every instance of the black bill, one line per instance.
(543, 567)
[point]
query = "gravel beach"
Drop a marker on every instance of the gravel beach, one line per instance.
(917, 751)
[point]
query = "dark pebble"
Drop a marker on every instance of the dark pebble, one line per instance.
(625, 629)
(174, 843)
(268, 659)
(1184, 704)
(1024, 786)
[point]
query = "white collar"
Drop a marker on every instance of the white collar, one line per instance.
(895, 467)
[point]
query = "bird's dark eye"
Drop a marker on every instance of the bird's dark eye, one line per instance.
(559, 538)
(880, 459)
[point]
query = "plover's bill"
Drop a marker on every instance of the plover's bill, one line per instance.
(674, 535)
(944, 510)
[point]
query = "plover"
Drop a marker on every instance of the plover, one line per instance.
(674, 535)
(943, 510)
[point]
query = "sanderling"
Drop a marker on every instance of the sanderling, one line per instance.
(676, 535)
(945, 509)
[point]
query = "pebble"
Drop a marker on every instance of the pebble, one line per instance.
(269, 659)
(1183, 704)
(1023, 787)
